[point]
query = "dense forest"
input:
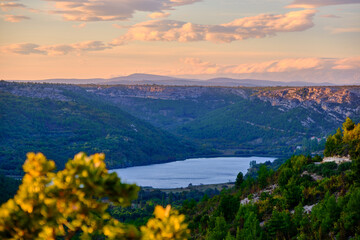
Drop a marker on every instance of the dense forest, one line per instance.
(80, 122)
(303, 199)
(254, 125)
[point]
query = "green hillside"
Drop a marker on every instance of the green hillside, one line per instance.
(257, 125)
(303, 199)
(240, 121)
(170, 107)
(83, 123)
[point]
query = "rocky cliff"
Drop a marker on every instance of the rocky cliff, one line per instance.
(337, 102)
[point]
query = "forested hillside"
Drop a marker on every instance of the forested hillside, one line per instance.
(63, 120)
(176, 121)
(274, 121)
(255, 124)
(304, 199)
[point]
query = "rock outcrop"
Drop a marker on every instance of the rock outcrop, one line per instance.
(337, 102)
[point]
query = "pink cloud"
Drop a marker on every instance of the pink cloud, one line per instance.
(200, 67)
(345, 30)
(59, 49)
(110, 10)
(81, 25)
(319, 3)
(329, 16)
(336, 70)
(287, 65)
(249, 27)
(15, 18)
(347, 63)
(168, 30)
(155, 15)
(23, 48)
(6, 6)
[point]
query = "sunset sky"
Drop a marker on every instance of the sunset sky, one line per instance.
(307, 40)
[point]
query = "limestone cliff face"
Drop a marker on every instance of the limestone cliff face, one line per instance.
(316, 94)
(164, 92)
(51, 91)
(337, 102)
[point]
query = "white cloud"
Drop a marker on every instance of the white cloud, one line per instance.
(319, 3)
(249, 27)
(110, 10)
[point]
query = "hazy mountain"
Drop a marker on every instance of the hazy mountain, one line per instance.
(231, 82)
(140, 78)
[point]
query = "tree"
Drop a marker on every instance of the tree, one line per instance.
(263, 174)
(229, 237)
(333, 145)
(285, 175)
(251, 228)
(348, 125)
(324, 216)
(351, 213)
(279, 225)
(239, 180)
(229, 206)
(220, 230)
(292, 193)
(71, 202)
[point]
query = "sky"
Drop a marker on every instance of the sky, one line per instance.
(284, 40)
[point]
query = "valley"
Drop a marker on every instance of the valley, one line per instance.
(146, 124)
(239, 120)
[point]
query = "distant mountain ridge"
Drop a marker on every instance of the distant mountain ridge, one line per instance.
(141, 78)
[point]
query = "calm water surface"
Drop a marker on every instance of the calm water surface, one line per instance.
(195, 171)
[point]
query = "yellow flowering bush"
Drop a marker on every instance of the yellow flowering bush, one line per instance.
(74, 201)
(166, 225)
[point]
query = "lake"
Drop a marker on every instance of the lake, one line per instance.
(196, 171)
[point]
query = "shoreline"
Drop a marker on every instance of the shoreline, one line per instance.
(19, 177)
(206, 156)
(201, 188)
